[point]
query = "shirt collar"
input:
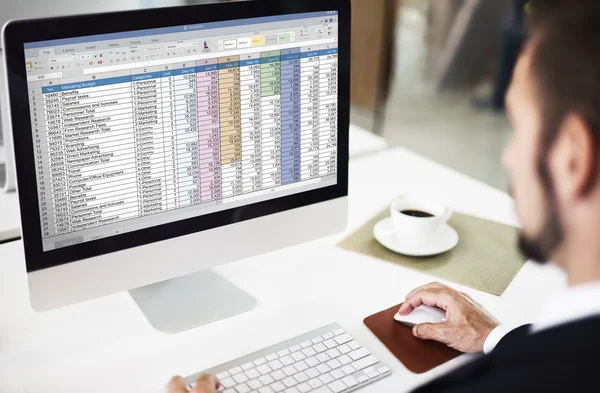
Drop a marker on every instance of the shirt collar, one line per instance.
(571, 304)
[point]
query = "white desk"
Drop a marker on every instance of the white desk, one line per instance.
(362, 143)
(105, 345)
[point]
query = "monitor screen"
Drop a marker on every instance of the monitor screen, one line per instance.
(137, 129)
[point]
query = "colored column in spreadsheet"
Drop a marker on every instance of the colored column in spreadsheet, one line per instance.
(209, 131)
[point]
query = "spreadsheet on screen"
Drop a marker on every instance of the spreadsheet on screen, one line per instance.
(142, 128)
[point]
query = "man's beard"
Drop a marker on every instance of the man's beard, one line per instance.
(540, 248)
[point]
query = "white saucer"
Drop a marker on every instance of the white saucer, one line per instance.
(444, 240)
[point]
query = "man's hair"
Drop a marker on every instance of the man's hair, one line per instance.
(565, 65)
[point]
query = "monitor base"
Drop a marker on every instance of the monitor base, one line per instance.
(183, 303)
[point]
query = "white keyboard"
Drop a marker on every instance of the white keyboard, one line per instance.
(326, 360)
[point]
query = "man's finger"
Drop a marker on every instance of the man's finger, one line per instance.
(431, 285)
(439, 298)
(431, 331)
(176, 385)
(207, 384)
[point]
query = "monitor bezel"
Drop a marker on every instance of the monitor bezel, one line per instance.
(17, 33)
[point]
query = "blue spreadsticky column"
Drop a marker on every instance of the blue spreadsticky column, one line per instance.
(290, 116)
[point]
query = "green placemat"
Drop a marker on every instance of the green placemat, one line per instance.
(486, 257)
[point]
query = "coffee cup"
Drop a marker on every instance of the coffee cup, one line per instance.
(416, 220)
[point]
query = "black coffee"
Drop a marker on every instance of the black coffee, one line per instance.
(416, 213)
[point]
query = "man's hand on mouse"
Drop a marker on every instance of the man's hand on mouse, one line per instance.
(205, 384)
(467, 324)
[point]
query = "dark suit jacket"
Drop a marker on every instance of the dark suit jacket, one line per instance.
(562, 359)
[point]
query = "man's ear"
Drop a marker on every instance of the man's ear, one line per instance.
(573, 159)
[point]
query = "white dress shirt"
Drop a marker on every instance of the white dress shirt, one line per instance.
(571, 304)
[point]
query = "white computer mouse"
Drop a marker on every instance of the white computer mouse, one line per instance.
(422, 314)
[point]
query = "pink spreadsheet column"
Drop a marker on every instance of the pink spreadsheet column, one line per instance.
(207, 77)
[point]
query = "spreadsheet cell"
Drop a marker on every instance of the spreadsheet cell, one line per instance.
(140, 142)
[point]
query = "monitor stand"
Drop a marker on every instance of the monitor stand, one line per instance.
(183, 303)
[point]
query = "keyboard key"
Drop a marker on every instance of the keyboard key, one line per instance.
(286, 360)
(240, 378)
(275, 364)
(277, 375)
(253, 373)
(278, 387)
(333, 353)
(365, 362)
(348, 369)
(243, 388)
(235, 370)
(374, 374)
(362, 378)
(338, 332)
(266, 380)
(266, 389)
(264, 369)
(337, 386)
(337, 374)
(298, 356)
(230, 390)
(369, 370)
(271, 357)
(301, 365)
(315, 383)
(228, 382)
(343, 339)
(344, 349)
(255, 384)
(334, 363)
(302, 377)
(344, 359)
(354, 344)
(350, 381)
(304, 387)
(313, 361)
(283, 352)
(292, 390)
(260, 361)
(295, 348)
(326, 378)
(306, 344)
(323, 357)
(330, 344)
(312, 372)
(289, 370)
(247, 366)
(223, 375)
(310, 352)
(317, 340)
(323, 368)
(359, 353)
(320, 348)
(327, 336)
(289, 382)
(383, 370)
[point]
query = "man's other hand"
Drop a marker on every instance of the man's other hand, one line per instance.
(467, 324)
(204, 384)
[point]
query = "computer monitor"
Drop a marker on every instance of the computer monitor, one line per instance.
(154, 144)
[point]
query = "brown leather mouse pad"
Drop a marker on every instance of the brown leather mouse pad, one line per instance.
(417, 355)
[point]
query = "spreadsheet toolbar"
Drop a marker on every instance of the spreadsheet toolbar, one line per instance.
(115, 149)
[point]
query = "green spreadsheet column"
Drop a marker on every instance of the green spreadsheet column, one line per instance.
(270, 86)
